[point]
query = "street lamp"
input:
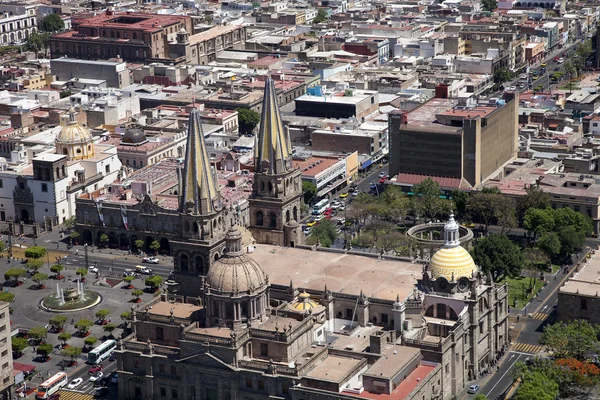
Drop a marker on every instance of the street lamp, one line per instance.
(85, 248)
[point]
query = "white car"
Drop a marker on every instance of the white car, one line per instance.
(96, 377)
(74, 383)
(307, 230)
(93, 270)
(150, 260)
(355, 193)
(336, 205)
(560, 60)
(318, 218)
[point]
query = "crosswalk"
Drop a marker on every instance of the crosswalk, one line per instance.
(74, 395)
(526, 348)
(540, 316)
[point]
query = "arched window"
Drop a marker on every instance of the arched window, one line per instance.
(183, 263)
(295, 213)
(259, 218)
(199, 264)
(287, 216)
(272, 220)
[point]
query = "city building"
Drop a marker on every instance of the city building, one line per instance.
(328, 172)
(342, 102)
(578, 296)
(250, 332)
(115, 74)
(452, 138)
(17, 25)
(6, 354)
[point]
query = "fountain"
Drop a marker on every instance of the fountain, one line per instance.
(71, 298)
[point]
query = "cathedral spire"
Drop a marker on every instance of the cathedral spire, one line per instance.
(274, 150)
(200, 194)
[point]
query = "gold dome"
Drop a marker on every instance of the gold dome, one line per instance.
(73, 132)
(303, 303)
(449, 262)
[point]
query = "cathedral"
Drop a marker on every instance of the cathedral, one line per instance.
(281, 320)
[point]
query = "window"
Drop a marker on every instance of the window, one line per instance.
(136, 363)
(163, 392)
(4, 353)
(481, 327)
(248, 382)
(584, 304)
(44, 187)
(161, 367)
(173, 370)
(173, 393)
(264, 349)
(1, 183)
(107, 169)
(384, 318)
(159, 333)
(447, 368)
(261, 384)
(259, 218)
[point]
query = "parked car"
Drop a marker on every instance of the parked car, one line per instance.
(307, 230)
(382, 174)
(113, 357)
(96, 377)
(129, 272)
(93, 270)
(343, 195)
(114, 379)
(473, 389)
(150, 260)
(355, 193)
(560, 60)
(318, 218)
(74, 383)
(143, 270)
(311, 222)
(95, 369)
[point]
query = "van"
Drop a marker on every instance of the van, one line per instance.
(143, 270)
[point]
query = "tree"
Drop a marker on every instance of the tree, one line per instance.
(45, 349)
(34, 265)
(109, 328)
(64, 337)
(309, 190)
(37, 42)
(137, 293)
(58, 322)
(129, 281)
(154, 246)
(38, 334)
(571, 240)
(90, 341)
(538, 386)
(83, 326)
(126, 316)
(57, 268)
(40, 279)
(7, 297)
(570, 340)
(507, 213)
(498, 255)
(74, 236)
(550, 244)
(248, 119)
(535, 198)
(427, 195)
(325, 233)
(567, 217)
(139, 244)
(69, 223)
(154, 282)
(52, 23)
(485, 207)
(539, 221)
(35, 252)
(102, 314)
(321, 16)
(71, 352)
(104, 239)
(461, 200)
(14, 274)
(480, 397)
(502, 74)
(489, 5)
(2, 248)
(82, 272)
(18, 345)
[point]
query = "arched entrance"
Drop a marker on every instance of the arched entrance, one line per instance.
(165, 246)
(24, 216)
(123, 241)
(184, 263)
(149, 241)
(87, 237)
(112, 239)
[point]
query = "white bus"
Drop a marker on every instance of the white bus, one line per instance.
(51, 385)
(101, 352)
(320, 207)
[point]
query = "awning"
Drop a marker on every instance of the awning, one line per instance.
(366, 163)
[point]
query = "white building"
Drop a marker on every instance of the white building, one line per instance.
(15, 28)
(47, 186)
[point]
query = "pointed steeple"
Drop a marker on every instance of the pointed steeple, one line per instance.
(200, 193)
(273, 152)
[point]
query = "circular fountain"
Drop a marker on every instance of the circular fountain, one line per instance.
(70, 298)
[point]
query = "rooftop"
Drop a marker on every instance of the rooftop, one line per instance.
(587, 281)
(425, 116)
(335, 368)
(180, 310)
(313, 166)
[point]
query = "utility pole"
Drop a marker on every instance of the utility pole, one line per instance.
(85, 248)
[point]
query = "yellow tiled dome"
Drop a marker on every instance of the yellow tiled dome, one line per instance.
(452, 260)
(303, 303)
(74, 133)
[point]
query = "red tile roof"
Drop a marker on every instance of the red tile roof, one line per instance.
(444, 181)
(406, 386)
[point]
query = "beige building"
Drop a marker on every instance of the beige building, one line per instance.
(6, 360)
(578, 297)
(250, 333)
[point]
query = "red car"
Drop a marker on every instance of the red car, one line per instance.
(328, 211)
(94, 369)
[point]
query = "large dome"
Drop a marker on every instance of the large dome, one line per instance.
(73, 132)
(452, 262)
(235, 273)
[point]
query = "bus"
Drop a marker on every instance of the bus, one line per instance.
(320, 207)
(51, 385)
(101, 352)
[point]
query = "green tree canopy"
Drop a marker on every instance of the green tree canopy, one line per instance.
(37, 42)
(325, 233)
(109, 328)
(137, 293)
(64, 337)
(90, 341)
(154, 246)
(14, 273)
(102, 314)
(7, 297)
(461, 199)
(38, 333)
(39, 278)
(535, 198)
(83, 326)
(129, 279)
(427, 196)
(139, 244)
(309, 190)
(125, 316)
(539, 221)
(321, 16)
(45, 349)
(74, 235)
(34, 264)
(71, 352)
(81, 272)
(57, 268)
(69, 223)
(570, 340)
(19, 344)
(498, 255)
(489, 5)
(550, 244)
(502, 74)
(52, 23)
(154, 281)
(58, 321)
(35, 252)
(248, 119)
(567, 217)
(104, 239)
(480, 397)
(538, 386)
(571, 240)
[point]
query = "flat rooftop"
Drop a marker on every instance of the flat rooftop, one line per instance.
(313, 166)
(425, 116)
(393, 360)
(335, 368)
(180, 310)
(587, 281)
(343, 273)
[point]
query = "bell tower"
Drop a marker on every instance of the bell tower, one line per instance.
(277, 187)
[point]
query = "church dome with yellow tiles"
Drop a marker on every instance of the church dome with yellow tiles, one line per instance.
(74, 140)
(452, 261)
(303, 303)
